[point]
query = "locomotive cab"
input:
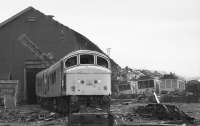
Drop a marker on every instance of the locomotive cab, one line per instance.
(88, 80)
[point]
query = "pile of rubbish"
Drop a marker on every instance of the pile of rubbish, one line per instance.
(28, 114)
(154, 113)
(163, 112)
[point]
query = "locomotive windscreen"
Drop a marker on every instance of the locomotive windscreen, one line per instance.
(86, 59)
(72, 61)
(102, 62)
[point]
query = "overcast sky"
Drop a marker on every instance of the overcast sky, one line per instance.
(152, 34)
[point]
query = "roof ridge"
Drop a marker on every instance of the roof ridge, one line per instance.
(16, 16)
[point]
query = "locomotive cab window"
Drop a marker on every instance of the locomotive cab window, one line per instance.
(71, 61)
(86, 59)
(102, 62)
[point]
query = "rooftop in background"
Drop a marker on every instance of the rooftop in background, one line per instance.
(145, 78)
(169, 76)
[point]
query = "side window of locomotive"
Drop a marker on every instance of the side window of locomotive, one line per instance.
(102, 62)
(71, 61)
(86, 59)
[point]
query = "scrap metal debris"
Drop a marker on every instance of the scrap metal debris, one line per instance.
(154, 113)
(163, 112)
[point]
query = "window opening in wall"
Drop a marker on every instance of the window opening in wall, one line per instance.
(146, 84)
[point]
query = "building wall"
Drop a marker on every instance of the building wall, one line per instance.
(193, 88)
(136, 89)
(124, 89)
(171, 85)
(46, 34)
(8, 92)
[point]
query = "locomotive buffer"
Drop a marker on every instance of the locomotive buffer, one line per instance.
(90, 116)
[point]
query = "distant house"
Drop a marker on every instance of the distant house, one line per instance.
(123, 88)
(193, 88)
(145, 85)
(170, 82)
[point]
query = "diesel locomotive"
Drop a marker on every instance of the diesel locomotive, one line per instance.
(80, 82)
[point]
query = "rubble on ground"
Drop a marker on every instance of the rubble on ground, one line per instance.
(138, 113)
(126, 112)
(163, 112)
(29, 115)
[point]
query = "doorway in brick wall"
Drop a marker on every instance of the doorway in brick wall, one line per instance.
(30, 71)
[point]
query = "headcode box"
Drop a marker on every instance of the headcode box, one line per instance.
(8, 93)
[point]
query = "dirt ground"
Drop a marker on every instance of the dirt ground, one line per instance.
(34, 115)
(30, 115)
(125, 111)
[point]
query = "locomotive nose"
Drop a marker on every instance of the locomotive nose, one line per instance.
(89, 81)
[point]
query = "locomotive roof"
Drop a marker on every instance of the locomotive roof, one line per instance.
(75, 53)
(84, 51)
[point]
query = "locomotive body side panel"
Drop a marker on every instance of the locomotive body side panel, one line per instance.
(54, 81)
(40, 83)
(48, 81)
